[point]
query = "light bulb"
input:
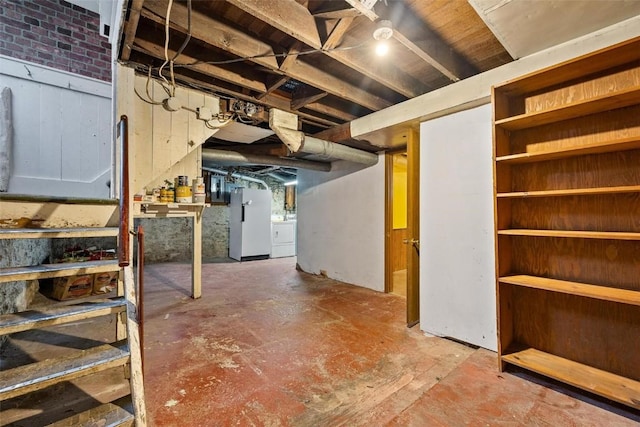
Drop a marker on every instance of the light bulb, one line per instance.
(382, 48)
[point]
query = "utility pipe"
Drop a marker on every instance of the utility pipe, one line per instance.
(234, 157)
(236, 175)
(285, 124)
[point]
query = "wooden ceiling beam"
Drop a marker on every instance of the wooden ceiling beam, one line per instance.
(271, 100)
(224, 37)
(214, 71)
(216, 33)
(273, 82)
(305, 95)
(131, 28)
(290, 17)
(338, 32)
(436, 53)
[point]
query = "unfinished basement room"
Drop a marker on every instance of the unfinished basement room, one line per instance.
(316, 213)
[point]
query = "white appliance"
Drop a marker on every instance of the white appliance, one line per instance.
(250, 224)
(283, 239)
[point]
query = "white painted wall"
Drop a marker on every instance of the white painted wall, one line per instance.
(62, 131)
(457, 277)
(341, 223)
(162, 144)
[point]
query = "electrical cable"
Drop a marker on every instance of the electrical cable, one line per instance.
(186, 41)
(166, 46)
(274, 55)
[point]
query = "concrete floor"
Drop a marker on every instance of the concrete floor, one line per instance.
(267, 345)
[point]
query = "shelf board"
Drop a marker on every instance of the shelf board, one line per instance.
(623, 98)
(572, 192)
(604, 293)
(603, 383)
(38, 233)
(610, 146)
(607, 235)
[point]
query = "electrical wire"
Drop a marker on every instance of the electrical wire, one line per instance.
(186, 40)
(274, 55)
(150, 100)
(166, 47)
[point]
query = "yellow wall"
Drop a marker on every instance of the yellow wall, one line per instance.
(399, 191)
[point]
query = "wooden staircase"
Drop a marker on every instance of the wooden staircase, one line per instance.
(124, 351)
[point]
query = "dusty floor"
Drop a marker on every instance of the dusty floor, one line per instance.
(267, 345)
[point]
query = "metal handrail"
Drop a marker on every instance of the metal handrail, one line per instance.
(124, 245)
(140, 300)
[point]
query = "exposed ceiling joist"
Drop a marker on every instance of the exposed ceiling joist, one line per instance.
(304, 95)
(295, 21)
(132, 27)
(435, 52)
(288, 16)
(225, 37)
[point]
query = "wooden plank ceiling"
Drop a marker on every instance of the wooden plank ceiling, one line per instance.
(312, 57)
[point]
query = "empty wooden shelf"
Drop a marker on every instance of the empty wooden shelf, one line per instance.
(567, 198)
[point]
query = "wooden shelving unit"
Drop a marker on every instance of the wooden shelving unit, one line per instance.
(567, 204)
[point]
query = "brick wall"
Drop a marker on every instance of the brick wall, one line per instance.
(56, 34)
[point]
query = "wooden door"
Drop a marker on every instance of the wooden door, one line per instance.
(402, 217)
(413, 228)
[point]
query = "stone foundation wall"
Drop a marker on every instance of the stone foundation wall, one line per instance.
(169, 239)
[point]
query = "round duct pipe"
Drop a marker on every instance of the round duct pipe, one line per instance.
(216, 157)
(333, 150)
(236, 175)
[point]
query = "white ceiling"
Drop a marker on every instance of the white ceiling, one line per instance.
(528, 26)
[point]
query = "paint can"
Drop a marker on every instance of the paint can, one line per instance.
(198, 190)
(183, 194)
(166, 195)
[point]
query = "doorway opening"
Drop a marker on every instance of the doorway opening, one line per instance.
(402, 246)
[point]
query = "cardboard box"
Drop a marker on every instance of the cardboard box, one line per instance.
(103, 283)
(71, 287)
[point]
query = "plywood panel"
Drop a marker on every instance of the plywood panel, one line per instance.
(626, 77)
(591, 171)
(598, 262)
(604, 126)
(568, 325)
(595, 213)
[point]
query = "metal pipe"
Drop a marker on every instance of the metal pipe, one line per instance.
(234, 158)
(236, 175)
(123, 234)
(284, 125)
(140, 303)
(333, 150)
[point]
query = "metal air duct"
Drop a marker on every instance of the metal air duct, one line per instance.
(234, 158)
(285, 126)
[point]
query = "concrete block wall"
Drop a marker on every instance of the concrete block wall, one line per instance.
(56, 34)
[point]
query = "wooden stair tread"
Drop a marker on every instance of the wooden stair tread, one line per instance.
(112, 414)
(611, 386)
(36, 233)
(605, 293)
(46, 271)
(22, 321)
(36, 376)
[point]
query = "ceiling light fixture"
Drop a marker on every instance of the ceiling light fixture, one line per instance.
(382, 33)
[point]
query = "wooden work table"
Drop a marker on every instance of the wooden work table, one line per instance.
(180, 210)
